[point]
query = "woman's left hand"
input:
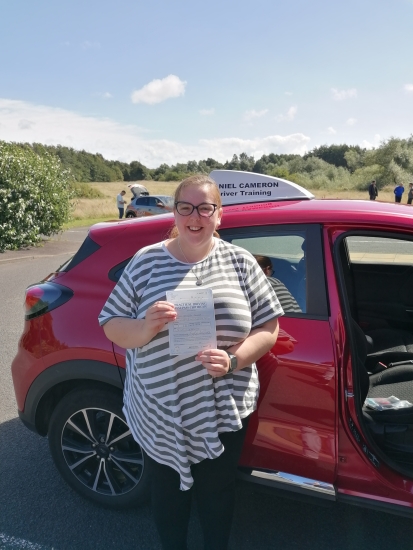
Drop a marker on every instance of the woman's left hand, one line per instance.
(216, 361)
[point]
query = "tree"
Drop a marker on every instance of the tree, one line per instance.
(35, 195)
(333, 154)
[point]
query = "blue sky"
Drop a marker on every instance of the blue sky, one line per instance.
(174, 81)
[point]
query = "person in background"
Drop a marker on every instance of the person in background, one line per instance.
(373, 193)
(410, 194)
(398, 192)
(190, 413)
(287, 300)
(121, 203)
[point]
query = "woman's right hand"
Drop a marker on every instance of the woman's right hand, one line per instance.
(157, 316)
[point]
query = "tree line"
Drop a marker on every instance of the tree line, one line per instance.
(328, 166)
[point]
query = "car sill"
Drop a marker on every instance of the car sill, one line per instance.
(289, 482)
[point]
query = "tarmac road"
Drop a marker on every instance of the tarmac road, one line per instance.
(38, 511)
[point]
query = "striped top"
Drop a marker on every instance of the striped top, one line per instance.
(287, 300)
(174, 408)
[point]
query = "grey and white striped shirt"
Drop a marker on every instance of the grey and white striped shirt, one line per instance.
(174, 408)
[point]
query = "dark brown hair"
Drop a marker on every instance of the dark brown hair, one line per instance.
(263, 261)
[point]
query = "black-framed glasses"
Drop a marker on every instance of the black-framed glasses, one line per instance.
(205, 209)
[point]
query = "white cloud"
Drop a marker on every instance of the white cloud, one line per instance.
(408, 88)
(223, 148)
(370, 145)
(290, 115)
(207, 112)
(351, 121)
(252, 114)
(104, 95)
(288, 93)
(331, 130)
(159, 90)
(23, 121)
(25, 124)
(340, 95)
(88, 45)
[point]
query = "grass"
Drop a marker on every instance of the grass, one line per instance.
(88, 211)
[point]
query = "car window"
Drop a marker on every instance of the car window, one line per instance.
(364, 249)
(282, 258)
(297, 261)
(377, 277)
(153, 201)
(142, 201)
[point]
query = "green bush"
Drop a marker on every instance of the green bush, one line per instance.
(35, 195)
(82, 190)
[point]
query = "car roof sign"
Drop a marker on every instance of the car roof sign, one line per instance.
(237, 187)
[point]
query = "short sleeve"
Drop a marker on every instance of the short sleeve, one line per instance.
(263, 300)
(123, 301)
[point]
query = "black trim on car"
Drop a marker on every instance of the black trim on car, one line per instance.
(87, 248)
(71, 373)
(377, 505)
(117, 270)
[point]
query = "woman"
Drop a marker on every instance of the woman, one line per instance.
(286, 299)
(190, 414)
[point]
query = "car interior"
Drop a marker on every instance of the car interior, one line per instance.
(377, 272)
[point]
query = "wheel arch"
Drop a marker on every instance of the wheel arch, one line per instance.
(57, 381)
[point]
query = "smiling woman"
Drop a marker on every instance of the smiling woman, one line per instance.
(190, 413)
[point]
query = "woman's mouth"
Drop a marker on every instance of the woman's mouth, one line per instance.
(194, 228)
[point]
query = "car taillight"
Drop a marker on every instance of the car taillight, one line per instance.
(44, 297)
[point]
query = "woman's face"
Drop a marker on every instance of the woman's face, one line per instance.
(196, 230)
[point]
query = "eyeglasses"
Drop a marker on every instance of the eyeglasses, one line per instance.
(205, 209)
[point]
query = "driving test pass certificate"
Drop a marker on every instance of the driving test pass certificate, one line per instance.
(194, 329)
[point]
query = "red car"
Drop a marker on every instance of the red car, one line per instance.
(335, 413)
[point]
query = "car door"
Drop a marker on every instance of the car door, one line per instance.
(142, 205)
(156, 206)
(294, 428)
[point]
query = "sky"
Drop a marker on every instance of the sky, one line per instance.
(170, 81)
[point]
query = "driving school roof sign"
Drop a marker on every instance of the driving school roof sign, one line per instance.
(243, 187)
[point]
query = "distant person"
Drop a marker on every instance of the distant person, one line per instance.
(286, 299)
(121, 203)
(373, 193)
(398, 192)
(410, 194)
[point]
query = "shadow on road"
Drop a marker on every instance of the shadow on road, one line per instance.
(38, 506)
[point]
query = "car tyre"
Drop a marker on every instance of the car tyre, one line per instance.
(94, 450)
(130, 215)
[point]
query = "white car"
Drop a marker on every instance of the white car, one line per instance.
(149, 206)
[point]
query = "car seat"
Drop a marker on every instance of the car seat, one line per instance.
(392, 429)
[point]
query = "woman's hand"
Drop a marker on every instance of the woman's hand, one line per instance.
(256, 344)
(216, 361)
(157, 316)
(134, 333)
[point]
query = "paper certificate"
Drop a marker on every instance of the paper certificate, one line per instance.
(194, 329)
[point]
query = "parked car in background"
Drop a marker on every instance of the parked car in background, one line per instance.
(137, 190)
(324, 427)
(149, 206)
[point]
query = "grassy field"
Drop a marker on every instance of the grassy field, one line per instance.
(89, 211)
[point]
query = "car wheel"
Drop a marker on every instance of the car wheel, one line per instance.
(94, 450)
(130, 215)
